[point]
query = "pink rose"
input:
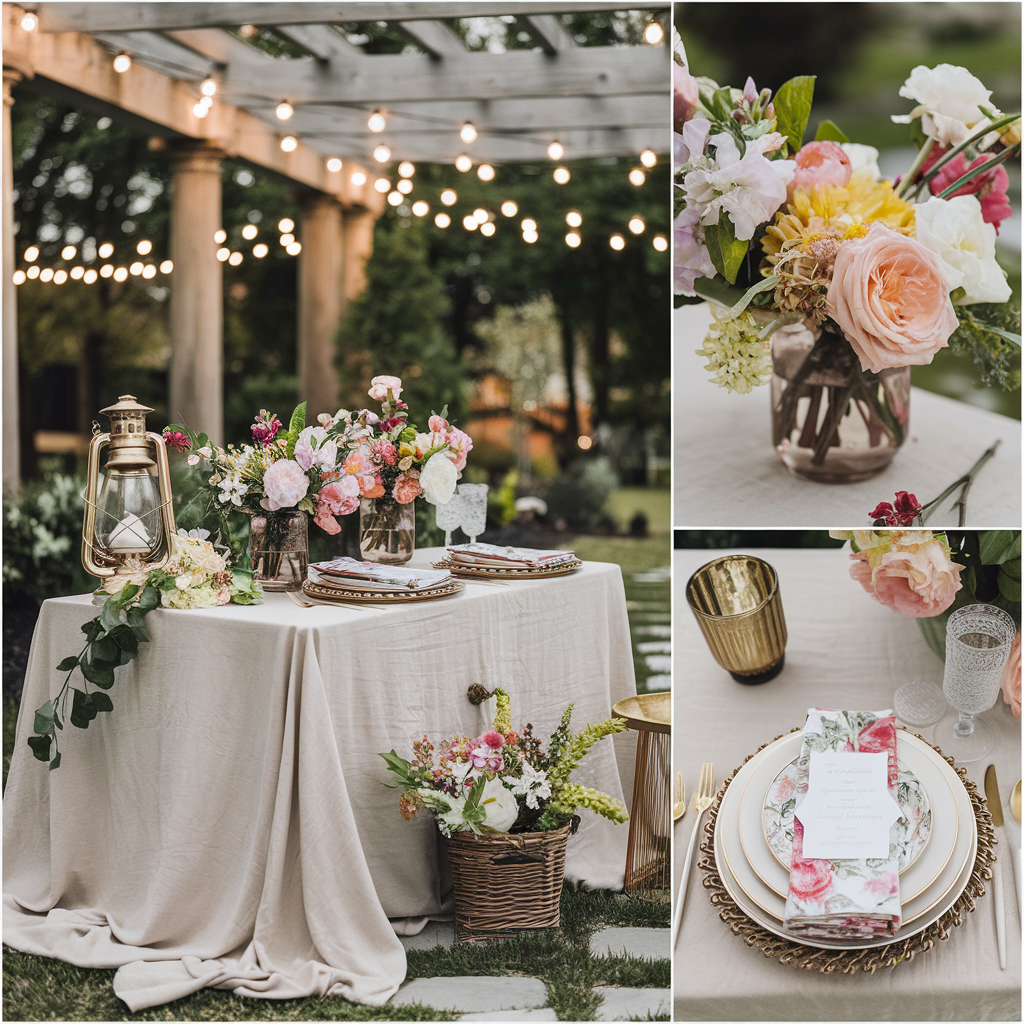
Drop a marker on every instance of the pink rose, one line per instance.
(1011, 677)
(407, 487)
(438, 425)
(784, 789)
(338, 498)
(821, 163)
(285, 485)
(888, 294)
(380, 386)
(883, 885)
(912, 578)
(809, 879)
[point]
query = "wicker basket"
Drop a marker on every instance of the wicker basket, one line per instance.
(508, 882)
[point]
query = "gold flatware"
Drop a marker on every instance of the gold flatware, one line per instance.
(1014, 851)
(995, 808)
(1015, 801)
(701, 802)
(679, 807)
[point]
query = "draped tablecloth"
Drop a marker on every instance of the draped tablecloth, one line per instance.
(726, 472)
(845, 651)
(227, 824)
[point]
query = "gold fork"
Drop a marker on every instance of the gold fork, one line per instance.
(701, 802)
(679, 805)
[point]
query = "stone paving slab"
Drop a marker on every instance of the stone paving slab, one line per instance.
(633, 1003)
(546, 1014)
(649, 943)
(436, 933)
(474, 994)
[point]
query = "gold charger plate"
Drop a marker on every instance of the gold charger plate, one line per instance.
(649, 711)
(341, 594)
(499, 572)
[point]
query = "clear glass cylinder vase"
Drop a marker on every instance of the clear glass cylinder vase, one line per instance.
(279, 549)
(832, 420)
(387, 530)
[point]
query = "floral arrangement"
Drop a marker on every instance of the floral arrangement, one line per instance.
(195, 576)
(504, 780)
(774, 230)
(325, 469)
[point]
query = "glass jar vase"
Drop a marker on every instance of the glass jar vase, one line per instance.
(832, 420)
(387, 530)
(279, 549)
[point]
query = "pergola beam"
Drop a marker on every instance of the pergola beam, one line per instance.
(127, 17)
(547, 32)
(320, 41)
(435, 38)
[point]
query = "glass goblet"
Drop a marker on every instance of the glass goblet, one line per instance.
(978, 639)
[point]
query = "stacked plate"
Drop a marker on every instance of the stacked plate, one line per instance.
(345, 579)
(496, 560)
(937, 838)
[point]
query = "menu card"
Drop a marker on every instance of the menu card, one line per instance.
(347, 572)
(508, 557)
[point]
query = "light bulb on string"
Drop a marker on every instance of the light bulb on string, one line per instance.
(528, 224)
(449, 197)
(382, 154)
(121, 274)
(637, 225)
(509, 208)
(334, 165)
(637, 177)
(285, 225)
(166, 267)
(200, 110)
(19, 277)
(89, 277)
(77, 273)
(556, 151)
(467, 132)
(660, 243)
(234, 259)
(223, 253)
(68, 252)
(404, 186)
(33, 272)
(420, 208)
(107, 270)
(406, 169)
(294, 249)
(284, 110)
(149, 271)
(574, 218)
(463, 163)
(487, 229)
(395, 198)
(260, 250)
(654, 33)
(480, 215)
(29, 22)
(105, 251)
(382, 185)
(617, 242)
(485, 172)
(469, 222)
(648, 158)
(289, 144)
(122, 62)
(287, 239)
(220, 236)
(442, 220)
(376, 122)
(561, 175)
(144, 248)
(209, 87)
(60, 277)
(207, 101)
(572, 239)
(249, 232)
(32, 253)
(530, 237)
(358, 178)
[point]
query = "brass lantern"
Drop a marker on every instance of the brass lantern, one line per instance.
(128, 510)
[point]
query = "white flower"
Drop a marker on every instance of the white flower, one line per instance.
(954, 230)
(534, 785)
(205, 453)
(948, 99)
(863, 159)
(314, 449)
(438, 478)
(232, 489)
(738, 358)
(500, 806)
(199, 534)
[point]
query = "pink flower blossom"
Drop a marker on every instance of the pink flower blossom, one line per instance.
(809, 879)
(339, 498)
(887, 884)
(377, 490)
(380, 386)
(407, 487)
(990, 187)
(265, 429)
(383, 452)
(685, 95)
(691, 258)
(821, 163)
(493, 739)
(460, 444)
(1011, 677)
(285, 485)
(438, 425)
(902, 512)
(177, 440)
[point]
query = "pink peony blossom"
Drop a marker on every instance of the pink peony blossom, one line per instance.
(285, 485)
(1011, 677)
(887, 884)
(380, 386)
(383, 452)
(915, 576)
(809, 879)
(339, 498)
(407, 487)
(821, 163)
(438, 425)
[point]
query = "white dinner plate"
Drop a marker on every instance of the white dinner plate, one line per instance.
(766, 906)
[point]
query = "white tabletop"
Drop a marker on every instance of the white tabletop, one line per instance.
(726, 472)
(846, 651)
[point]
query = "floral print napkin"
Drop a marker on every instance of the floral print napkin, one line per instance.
(844, 900)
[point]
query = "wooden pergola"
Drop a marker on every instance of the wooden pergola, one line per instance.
(594, 101)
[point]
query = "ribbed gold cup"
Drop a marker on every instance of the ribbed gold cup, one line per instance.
(736, 602)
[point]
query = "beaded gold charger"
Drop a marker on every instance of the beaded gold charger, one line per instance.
(501, 572)
(337, 595)
(829, 961)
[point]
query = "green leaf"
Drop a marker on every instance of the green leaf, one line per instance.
(1008, 587)
(125, 639)
(40, 747)
(724, 248)
(70, 662)
(295, 427)
(110, 617)
(82, 710)
(721, 103)
(793, 108)
(149, 600)
(43, 723)
(730, 296)
(829, 131)
(100, 702)
(105, 649)
(128, 591)
(55, 763)
(996, 546)
(101, 673)
(92, 629)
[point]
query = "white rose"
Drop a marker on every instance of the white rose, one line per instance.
(501, 806)
(863, 159)
(948, 97)
(954, 230)
(438, 478)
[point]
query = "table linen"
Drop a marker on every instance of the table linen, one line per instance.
(725, 466)
(226, 825)
(847, 651)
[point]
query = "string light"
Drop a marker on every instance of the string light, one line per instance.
(382, 185)
(76, 273)
(285, 224)
(530, 237)
(30, 22)
(207, 101)
(617, 242)
(289, 144)
(480, 215)
(405, 186)
(449, 196)
(294, 249)
(32, 273)
(334, 165)
(220, 236)
(200, 109)
(584, 443)
(648, 158)
(509, 208)
(561, 175)
(209, 87)
(166, 267)
(144, 248)
(90, 276)
(259, 251)
(574, 218)
(46, 274)
(135, 269)
(223, 253)
(122, 62)
(637, 177)
(234, 259)
(382, 154)
(463, 163)
(467, 132)
(469, 222)
(487, 229)
(637, 225)
(358, 178)
(528, 224)
(485, 172)
(395, 198)
(555, 151)
(442, 220)
(106, 250)
(120, 274)
(376, 122)
(32, 253)
(284, 110)
(60, 277)
(249, 232)
(406, 169)
(19, 277)
(572, 239)
(68, 252)
(660, 242)
(420, 208)
(654, 33)
(107, 270)
(287, 238)
(149, 271)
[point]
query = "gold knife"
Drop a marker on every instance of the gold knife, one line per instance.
(996, 810)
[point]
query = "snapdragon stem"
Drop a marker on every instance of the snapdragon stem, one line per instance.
(914, 167)
(963, 482)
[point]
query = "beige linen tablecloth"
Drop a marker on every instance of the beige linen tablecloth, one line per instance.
(726, 472)
(226, 825)
(845, 651)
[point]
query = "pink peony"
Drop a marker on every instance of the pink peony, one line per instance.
(380, 386)
(339, 498)
(285, 485)
(821, 163)
(884, 885)
(407, 487)
(888, 293)
(383, 452)
(809, 879)
(914, 577)
(1011, 677)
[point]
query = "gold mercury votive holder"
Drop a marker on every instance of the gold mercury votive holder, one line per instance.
(736, 602)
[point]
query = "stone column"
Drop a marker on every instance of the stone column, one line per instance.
(321, 302)
(358, 231)
(196, 306)
(11, 452)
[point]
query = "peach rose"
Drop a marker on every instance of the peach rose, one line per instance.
(407, 487)
(888, 294)
(1011, 677)
(914, 577)
(821, 163)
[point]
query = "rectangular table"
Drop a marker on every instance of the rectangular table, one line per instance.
(227, 824)
(845, 651)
